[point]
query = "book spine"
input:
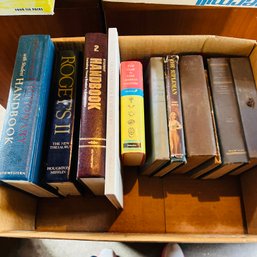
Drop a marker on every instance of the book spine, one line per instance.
(92, 137)
(196, 113)
(211, 164)
(132, 113)
(157, 154)
(25, 118)
(247, 98)
(232, 145)
(174, 109)
(60, 147)
(113, 188)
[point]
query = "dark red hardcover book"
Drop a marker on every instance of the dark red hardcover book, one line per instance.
(92, 136)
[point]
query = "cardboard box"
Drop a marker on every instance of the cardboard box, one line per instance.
(172, 209)
(148, 17)
(243, 4)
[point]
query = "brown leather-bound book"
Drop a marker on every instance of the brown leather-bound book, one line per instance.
(198, 124)
(247, 102)
(211, 164)
(229, 126)
(92, 137)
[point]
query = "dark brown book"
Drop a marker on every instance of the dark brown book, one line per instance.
(229, 127)
(199, 132)
(174, 115)
(213, 163)
(92, 138)
(247, 102)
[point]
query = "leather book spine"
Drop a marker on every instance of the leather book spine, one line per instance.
(227, 115)
(92, 136)
(198, 124)
(247, 101)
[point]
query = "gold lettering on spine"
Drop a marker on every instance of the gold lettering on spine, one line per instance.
(65, 94)
(173, 77)
(62, 129)
(95, 83)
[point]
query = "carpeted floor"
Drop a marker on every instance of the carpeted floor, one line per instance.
(69, 248)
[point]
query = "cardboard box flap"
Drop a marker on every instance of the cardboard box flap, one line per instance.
(139, 47)
(228, 46)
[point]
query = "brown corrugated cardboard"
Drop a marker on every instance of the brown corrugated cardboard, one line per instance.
(143, 200)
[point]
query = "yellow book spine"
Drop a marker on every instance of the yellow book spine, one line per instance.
(132, 115)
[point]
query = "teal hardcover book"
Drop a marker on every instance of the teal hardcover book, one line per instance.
(24, 125)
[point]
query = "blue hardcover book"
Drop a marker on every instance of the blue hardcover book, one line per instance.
(62, 147)
(23, 131)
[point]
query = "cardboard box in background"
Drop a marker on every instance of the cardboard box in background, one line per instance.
(242, 3)
(137, 17)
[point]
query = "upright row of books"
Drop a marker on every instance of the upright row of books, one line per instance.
(65, 132)
(203, 122)
(60, 129)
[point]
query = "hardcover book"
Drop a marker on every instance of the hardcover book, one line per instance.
(211, 164)
(2, 114)
(132, 114)
(197, 115)
(113, 178)
(247, 99)
(157, 144)
(227, 115)
(60, 172)
(92, 136)
(24, 125)
(174, 115)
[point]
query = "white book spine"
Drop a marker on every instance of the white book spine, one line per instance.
(113, 178)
